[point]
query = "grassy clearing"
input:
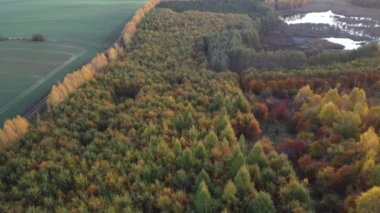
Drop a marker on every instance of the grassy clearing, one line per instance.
(76, 30)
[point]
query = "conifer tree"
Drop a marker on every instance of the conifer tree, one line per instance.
(262, 203)
(295, 196)
(229, 195)
(223, 120)
(203, 200)
(187, 159)
(203, 176)
(257, 156)
(242, 144)
(243, 182)
(210, 140)
(236, 162)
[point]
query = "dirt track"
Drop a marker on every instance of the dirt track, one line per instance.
(342, 7)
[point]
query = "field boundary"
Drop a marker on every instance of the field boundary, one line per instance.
(26, 61)
(47, 76)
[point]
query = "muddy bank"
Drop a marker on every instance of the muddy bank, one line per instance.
(309, 45)
(304, 37)
(347, 22)
(343, 7)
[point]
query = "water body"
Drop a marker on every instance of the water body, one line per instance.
(348, 43)
(360, 27)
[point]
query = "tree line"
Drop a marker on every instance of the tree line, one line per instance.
(74, 80)
(287, 4)
(366, 3)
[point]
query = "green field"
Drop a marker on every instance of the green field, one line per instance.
(76, 30)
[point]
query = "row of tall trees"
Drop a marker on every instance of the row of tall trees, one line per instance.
(131, 27)
(74, 80)
(77, 78)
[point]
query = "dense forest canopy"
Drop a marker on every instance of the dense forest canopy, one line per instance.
(367, 3)
(194, 115)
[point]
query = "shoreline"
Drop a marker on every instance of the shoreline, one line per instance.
(312, 37)
(342, 7)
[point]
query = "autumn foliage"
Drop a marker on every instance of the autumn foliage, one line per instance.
(158, 131)
(131, 27)
(12, 131)
(72, 81)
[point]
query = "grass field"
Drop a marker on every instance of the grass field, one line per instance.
(76, 30)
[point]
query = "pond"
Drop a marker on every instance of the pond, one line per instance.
(348, 43)
(363, 29)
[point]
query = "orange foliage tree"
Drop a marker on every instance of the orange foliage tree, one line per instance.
(76, 79)
(131, 27)
(12, 131)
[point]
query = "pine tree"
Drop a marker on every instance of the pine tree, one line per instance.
(257, 156)
(243, 182)
(210, 140)
(223, 120)
(203, 200)
(236, 162)
(203, 176)
(242, 144)
(229, 134)
(184, 121)
(229, 195)
(262, 204)
(200, 152)
(241, 104)
(187, 159)
(294, 195)
(216, 102)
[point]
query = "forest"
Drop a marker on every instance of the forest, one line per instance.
(366, 3)
(190, 113)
